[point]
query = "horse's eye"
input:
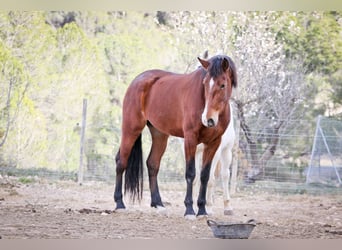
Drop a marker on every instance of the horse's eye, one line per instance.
(222, 86)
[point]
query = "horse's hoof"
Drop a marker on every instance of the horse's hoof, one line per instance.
(202, 216)
(210, 211)
(120, 210)
(161, 210)
(228, 212)
(120, 205)
(190, 217)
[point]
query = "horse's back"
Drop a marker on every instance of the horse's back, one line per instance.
(146, 79)
(165, 97)
(139, 88)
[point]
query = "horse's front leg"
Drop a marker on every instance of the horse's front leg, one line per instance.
(211, 183)
(190, 173)
(208, 155)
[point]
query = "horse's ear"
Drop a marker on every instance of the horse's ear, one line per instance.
(225, 64)
(203, 62)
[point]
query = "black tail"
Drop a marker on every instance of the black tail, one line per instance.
(134, 171)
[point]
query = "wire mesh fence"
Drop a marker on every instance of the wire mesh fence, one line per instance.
(285, 159)
(325, 164)
(273, 159)
(281, 155)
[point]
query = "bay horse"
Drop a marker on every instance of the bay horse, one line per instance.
(219, 167)
(192, 106)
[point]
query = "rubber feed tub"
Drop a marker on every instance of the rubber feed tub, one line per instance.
(226, 230)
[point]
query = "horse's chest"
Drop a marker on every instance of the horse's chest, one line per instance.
(208, 135)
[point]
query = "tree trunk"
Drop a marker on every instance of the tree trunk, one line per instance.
(258, 161)
(8, 103)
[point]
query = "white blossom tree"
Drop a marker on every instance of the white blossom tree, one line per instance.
(271, 88)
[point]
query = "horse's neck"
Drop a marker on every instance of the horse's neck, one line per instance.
(231, 123)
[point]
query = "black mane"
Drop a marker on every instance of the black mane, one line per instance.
(216, 69)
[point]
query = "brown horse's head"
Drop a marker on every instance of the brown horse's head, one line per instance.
(218, 83)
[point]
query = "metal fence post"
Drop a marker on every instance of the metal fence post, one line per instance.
(313, 148)
(83, 126)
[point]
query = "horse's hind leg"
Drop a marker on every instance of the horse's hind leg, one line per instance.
(118, 183)
(130, 139)
(121, 159)
(159, 143)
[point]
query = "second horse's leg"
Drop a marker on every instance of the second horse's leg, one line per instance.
(226, 159)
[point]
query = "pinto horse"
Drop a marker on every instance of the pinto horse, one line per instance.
(193, 106)
(221, 163)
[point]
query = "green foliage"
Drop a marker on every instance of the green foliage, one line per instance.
(26, 180)
(336, 82)
(315, 39)
(315, 36)
(56, 66)
(55, 59)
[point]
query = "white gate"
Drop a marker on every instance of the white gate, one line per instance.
(325, 165)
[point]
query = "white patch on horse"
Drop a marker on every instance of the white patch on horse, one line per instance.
(211, 83)
(204, 114)
(223, 156)
(205, 111)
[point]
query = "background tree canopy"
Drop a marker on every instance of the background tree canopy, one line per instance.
(289, 67)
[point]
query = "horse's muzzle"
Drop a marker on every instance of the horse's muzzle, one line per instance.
(210, 123)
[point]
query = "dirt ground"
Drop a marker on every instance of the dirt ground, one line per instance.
(43, 209)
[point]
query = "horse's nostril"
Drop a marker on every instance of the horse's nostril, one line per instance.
(211, 123)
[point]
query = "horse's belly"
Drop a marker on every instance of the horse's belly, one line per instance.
(166, 125)
(166, 115)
